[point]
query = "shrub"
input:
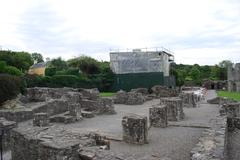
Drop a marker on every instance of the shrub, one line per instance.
(10, 87)
(69, 71)
(12, 70)
(32, 80)
(2, 66)
(64, 81)
(51, 71)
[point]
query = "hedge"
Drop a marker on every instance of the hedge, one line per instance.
(50, 71)
(12, 70)
(10, 87)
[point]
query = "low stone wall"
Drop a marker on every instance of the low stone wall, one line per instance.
(41, 143)
(174, 108)
(211, 145)
(17, 115)
(130, 98)
(163, 91)
(222, 141)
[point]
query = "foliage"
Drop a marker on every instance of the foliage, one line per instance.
(37, 57)
(20, 60)
(12, 70)
(2, 66)
(69, 71)
(86, 64)
(50, 71)
(233, 95)
(59, 64)
(9, 69)
(10, 87)
(64, 80)
(195, 73)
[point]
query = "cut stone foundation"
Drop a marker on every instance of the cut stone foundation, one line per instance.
(135, 129)
(41, 119)
(158, 116)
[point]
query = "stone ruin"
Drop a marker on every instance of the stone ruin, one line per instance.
(163, 91)
(135, 129)
(174, 108)
(158, 116)
(41, 119)
(189, 99)
(130, 98)
(57, 144)
(67, 105)
(61, 104)
(140, 95)
(223, 140)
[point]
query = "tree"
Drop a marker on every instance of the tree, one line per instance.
(86, 64)
(37, 57)
(20, 60)
(59, 64)
(224, 63)
(195, 73)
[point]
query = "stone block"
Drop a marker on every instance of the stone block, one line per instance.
(232, 109)
(143, 91)
(158, 116)
(135, 98)
(174, 108)
(75, 111)
(87, 114)
(233, 123)
(163, 91)
(106, 106)
(41, 119)
(135, 129)
(121, 97)
(189, 100)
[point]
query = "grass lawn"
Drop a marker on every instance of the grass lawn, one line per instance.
(107, 94)
(233, 95)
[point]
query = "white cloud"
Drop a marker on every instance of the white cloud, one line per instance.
(196, 30)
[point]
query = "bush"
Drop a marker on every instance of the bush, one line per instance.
(70, 71)
(2, 66)
(12, 70)
(64, 81)
(51, 71)
(10, 87)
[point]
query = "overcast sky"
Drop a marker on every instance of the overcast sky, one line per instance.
(197, 31)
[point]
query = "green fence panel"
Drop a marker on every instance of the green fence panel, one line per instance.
(137, 80)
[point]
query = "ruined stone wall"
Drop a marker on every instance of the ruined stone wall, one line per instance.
(234, 77)
(232, 139)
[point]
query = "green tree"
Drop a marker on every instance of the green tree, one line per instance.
(59, 64)
(86, 64)
(195, 73)
(37, 57)
(20, 60)
(215, 73)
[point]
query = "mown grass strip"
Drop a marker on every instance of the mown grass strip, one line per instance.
(233, 95)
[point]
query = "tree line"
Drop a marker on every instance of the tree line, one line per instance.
(196, 74)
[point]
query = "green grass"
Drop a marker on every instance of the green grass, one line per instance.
(107, 94)
(233, 95)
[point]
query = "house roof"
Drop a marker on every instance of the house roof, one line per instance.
(39, 65)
